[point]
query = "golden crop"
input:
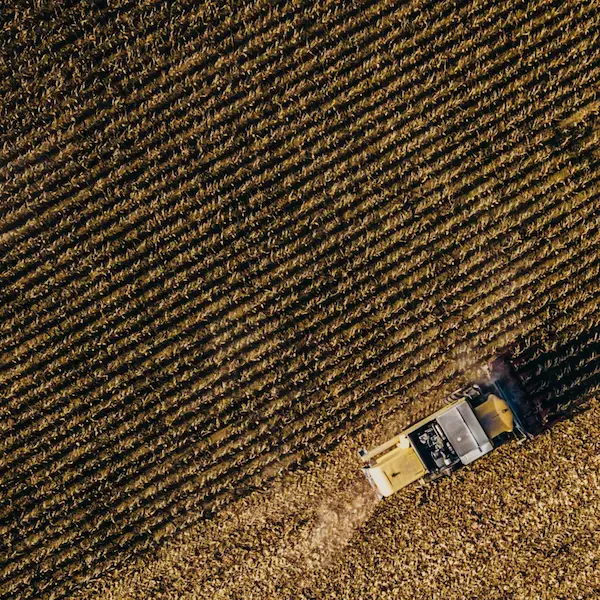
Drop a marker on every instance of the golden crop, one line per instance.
(234, 236)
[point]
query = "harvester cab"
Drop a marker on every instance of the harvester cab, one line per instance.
(476, 418)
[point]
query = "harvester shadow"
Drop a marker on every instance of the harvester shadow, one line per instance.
(562, 379)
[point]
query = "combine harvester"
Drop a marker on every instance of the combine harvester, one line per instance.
(479, 417)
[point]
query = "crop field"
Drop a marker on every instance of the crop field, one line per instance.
(240, 240)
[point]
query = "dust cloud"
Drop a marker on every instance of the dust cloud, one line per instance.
(337, 519)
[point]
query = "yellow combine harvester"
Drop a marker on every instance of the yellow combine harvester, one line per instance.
(477, 418)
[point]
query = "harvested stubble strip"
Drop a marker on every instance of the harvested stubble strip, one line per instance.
(479, 522)
(261, 150)
(152, 490)
(404, 522)
(213, 583)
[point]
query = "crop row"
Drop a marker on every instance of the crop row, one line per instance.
(138, 85)
(292, 231)
(419, 107)
(261, 150)
(221, 74)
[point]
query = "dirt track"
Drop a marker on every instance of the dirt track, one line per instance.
(236, 238)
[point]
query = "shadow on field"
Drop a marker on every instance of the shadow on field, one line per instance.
(562, 379)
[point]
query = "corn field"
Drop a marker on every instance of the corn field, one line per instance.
(235, 237)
